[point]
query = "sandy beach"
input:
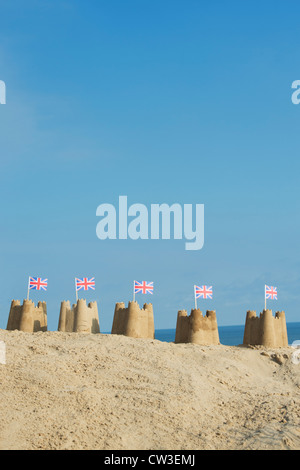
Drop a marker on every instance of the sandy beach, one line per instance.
(85, 391)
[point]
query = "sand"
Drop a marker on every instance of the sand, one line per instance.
(85, 391)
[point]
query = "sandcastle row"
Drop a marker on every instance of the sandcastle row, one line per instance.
(266, 330)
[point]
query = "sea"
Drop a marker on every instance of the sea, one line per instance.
(231, 335)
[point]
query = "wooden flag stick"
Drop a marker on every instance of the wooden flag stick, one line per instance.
(195, 297)
(28, 288)
(76, 291)
(133, 291)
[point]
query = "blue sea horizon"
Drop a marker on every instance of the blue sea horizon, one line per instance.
(231, 335)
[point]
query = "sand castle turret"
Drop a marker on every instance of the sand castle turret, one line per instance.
(27, 317)
(80, 318)
(266, 330)
(133, 321)
(196, 328)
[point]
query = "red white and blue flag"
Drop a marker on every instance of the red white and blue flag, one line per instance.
(37, 283)
(271, 292)
(85, 283)
(203, 292)
(143, 287)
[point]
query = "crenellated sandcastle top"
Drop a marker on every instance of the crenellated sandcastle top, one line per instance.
(27, 317)
(80, 318)
(196, 328)
(266, 330)
(133, 321)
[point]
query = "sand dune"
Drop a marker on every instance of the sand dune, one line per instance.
(84, 391)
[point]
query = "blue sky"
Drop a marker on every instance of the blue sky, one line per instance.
(173, 101)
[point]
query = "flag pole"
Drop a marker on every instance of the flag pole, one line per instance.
(133, 292)
(76, 290)
(28, 288)
(195, 297)
(265, 299)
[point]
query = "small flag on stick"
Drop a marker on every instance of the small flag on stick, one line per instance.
(84, 283)
(202, 292)
(143, 287)
(36, 283)
(270, 293)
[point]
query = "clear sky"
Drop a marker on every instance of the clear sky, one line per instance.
(163, 101)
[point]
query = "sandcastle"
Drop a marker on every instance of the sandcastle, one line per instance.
(133, 321)
(81, 318)
(266, 330)
(196, 328)
(27, 317)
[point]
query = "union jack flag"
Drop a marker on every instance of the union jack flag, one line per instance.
(271, 292)
(37, 283)
(85, 283)
(203, 292)
(144, 287)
